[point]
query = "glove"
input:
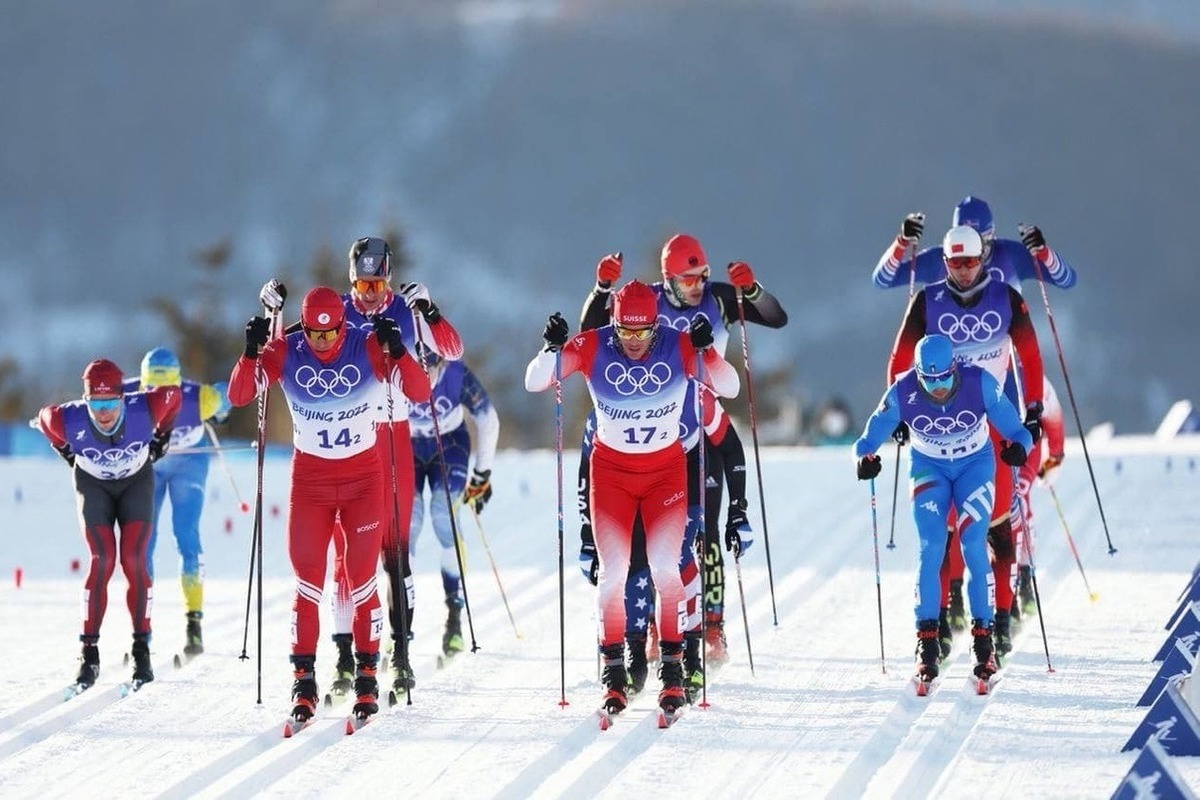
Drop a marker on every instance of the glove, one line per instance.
(1013, 454)
(1033, 421)
(701, 332)
(1032, 238)
(608, 271)
(737, 529)
(416, 297)
(555, 332)
(1052, 462)
(912, 227)
(272, 295)
(388, 334)
(741, 276)
(65, 452)
(589, 563)
(258, 330)
(159, 444)
(479, 490)
(900, 435)
(869, 467)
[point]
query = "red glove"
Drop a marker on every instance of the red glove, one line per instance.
(740, 275)
(608, 271)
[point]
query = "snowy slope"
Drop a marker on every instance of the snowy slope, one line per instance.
(817, 716)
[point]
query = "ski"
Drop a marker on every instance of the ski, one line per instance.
(294, 724)
(337, 693)
(984, 686)
(667, 717)
(357, 721)
(127, 688)
(446, 659)
(925, 687)
(181, 660)
(606, 718)
(75, 689)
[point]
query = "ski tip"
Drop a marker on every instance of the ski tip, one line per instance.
(604, 718)
(392, 700)
(350, 728)
(329, 701)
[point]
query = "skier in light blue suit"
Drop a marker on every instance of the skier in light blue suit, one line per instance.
(947, 408)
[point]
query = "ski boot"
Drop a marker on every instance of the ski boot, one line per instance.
(304, 688)
(928, 653)
(142, 671)
(637, 669)
(343, 679)
(957, 613)
(404, 679)
(614, 678)
(1025, 596)
(693, 665)
(670, 670)
(985, 654)
(366, 687)
(1002, 633)
(452, 640)
(89, 667)
(194, 642)
(945, 634)
(714, 638)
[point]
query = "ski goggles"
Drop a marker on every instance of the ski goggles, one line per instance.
(367, 285)
(963, 262)
(322, 335)
(634, 334)
(690, 281)
(104, 403)
(940, 382)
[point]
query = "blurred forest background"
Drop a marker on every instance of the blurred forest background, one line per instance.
(160, 161)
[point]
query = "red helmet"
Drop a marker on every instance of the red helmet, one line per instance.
(102, 377)
(635, 306)
(322, 309)
(682, 253)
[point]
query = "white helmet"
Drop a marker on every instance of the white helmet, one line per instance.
(962, 241)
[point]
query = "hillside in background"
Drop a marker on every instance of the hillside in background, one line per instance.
(518, 142)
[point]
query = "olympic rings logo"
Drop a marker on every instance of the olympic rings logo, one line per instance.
(945, 426)
(682, 323)
(335, 382)
(421, 411)
(638, 379)
(963, 328)
(112, 455)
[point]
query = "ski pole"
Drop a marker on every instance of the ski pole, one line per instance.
(762, 499)
(1071, 542)
(1037, 598)
(558, 453)
(402, 566)
(1062, 361)
(701, 531)
(495, 571)
(912, 289)
(737, 563)
(220, 451)
(878, 579)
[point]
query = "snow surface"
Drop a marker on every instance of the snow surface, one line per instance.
(816, 717)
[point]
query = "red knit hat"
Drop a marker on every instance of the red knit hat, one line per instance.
(635, 306)
(322, 309)
(682, 253)
(102, 377)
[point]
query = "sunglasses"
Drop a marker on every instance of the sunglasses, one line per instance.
(639, 334)
(941, 382)
(324, 335)
(370, 285)
(964, 262)
(688, 281)
(104, 404)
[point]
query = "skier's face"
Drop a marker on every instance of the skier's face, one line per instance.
(322, 342)
(689, 287)
(964, 271)
(370, 294)
(635, 342)
(105, 410)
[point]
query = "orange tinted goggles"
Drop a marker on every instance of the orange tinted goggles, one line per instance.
(634, 334)
(377, 285)
(689, 281)
(322, 335)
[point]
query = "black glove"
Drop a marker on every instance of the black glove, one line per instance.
(869, 467)
(555, 332)
(416, 297)
(1033, 421)
(479, 490)
(1032, 238)
(159, 444)
(900, 435)
(912, 227)
(65, 452)
(737, 529)
(388, 334)
(1013, 454)
(258, 330)
(429, 310)
(701, 333)
(589, 563)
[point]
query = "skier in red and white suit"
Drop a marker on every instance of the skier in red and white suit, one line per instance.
(1047, 455)
(637, 373)
(332, 377)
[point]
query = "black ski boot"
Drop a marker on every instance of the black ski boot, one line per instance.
(404, 678)
(928, 650)
(343, 679)
(366, 687)
(142, 671)
(945, 634)
(693, 665)
(1002, 633)
(452, 639)
(958, 613)
(985, 653)
(638, 668)
(89, 667)
(614, 678)
(304, 687)
(670, 670)
(194, 641)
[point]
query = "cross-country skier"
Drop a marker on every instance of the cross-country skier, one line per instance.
(332, 376)
(110, 440)
(183, 477)
(1045, 458)
(948, 407)
(637, 371)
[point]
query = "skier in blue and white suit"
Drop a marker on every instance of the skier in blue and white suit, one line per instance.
(947, 408)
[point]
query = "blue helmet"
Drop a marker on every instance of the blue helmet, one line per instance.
(160, 367)
(978, 214)
(934, 359)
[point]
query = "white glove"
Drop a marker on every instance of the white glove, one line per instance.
(272, 295)
(413, 292)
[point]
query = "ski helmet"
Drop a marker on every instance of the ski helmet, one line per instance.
(322, 309)
(635, 305)
(160, 367)
(102, 377)
(934, 359)
(682, 253)
(962, 241)
(976, 213)
(370, 259)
